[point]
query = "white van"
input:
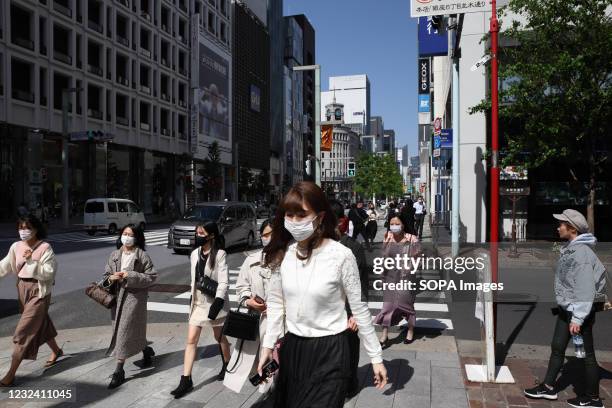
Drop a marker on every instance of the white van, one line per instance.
(111, 214)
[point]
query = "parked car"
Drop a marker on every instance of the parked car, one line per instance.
(110, 214)
(237, 222)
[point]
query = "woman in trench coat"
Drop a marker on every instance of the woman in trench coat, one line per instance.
(130, 271)
(252, 282)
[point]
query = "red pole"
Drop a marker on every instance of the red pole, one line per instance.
(494, 212)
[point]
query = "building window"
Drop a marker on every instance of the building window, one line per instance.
(211, 22)
(22, 80)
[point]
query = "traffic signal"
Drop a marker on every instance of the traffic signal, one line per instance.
(351, 169)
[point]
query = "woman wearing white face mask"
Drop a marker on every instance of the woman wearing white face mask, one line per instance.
(34, 264)
(130, 272)
(313, 276)
(252, 289)
(398, 304)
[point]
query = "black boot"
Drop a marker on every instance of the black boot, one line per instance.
(221, 374)
(185, 386)
(117, 379)
(147, 356)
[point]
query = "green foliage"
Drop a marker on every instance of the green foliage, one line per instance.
(377, 175)
(210, 184)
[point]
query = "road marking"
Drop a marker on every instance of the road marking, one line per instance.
(167, 307)
(422, 307)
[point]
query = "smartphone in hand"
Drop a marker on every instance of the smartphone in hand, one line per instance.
(266, 372)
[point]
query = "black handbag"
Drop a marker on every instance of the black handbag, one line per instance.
(204, 283)
(242, 325)
(207, 286)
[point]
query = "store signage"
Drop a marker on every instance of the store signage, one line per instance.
(419, 8)
(424, 103)
(424, 75)
(432, 41)
(446, 138)
(437, 126)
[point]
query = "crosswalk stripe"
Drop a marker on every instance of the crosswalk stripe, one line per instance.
(421, 322)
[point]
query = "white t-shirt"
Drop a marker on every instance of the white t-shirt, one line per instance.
(419, 208)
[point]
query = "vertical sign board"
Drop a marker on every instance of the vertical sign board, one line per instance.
(193, 112)
(424, 103)
(446, 138)
(432, 42)
(424, 75)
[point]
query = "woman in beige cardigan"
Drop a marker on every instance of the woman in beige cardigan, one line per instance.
(33, 261)
(207, 260)
(252, 283)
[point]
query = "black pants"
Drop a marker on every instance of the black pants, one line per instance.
(561, 338)
(418, 224)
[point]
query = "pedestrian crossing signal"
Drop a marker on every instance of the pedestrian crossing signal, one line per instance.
(351, 173)
(351, 169)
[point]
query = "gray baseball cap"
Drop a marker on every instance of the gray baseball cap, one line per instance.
(575, 219)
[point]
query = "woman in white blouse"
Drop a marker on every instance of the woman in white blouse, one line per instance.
(206, 310)
(316, 276)
(252, 289)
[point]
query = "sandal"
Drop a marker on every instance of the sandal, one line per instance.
(51, 363)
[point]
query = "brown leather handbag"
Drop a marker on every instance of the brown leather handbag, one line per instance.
(102, 292)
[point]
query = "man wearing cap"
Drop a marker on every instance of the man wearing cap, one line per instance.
(579, 278)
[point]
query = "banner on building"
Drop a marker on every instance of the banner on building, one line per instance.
(213, 94)
(424, 75)
(424, 105)
(432, 41)
(193, 112)
(446, 138)
(327, 137)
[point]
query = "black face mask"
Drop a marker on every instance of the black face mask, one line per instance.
(199, 241)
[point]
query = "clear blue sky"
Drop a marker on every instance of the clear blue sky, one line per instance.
(373, 37)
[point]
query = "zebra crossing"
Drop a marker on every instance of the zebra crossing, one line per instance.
(432, 311)
(152, 237)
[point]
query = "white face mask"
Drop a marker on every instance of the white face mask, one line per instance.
(265, 241)
(396, 229)
(25, 235)
(127, 240)
(300, 230)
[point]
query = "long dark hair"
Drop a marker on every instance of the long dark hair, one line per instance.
(34, 223)
(216, 244)
(311, 194)
(139, 236)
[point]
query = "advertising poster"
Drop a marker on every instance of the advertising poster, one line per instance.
(213, 94)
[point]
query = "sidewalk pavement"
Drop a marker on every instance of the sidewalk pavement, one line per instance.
(426, 373)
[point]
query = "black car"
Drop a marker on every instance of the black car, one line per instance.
(236, 220)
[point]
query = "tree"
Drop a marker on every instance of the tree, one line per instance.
(245, 182)
(392, 183)
(557, 102)
(367, 180)
(376, 175)
(210, 184)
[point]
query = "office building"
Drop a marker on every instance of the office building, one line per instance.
(251, 89)
(128, 65)
(345, 148)
(353, 91)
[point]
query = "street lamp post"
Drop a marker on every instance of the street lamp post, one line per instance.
(317, 119)
(65, 154)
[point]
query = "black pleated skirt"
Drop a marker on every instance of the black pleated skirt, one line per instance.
(314, 371)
